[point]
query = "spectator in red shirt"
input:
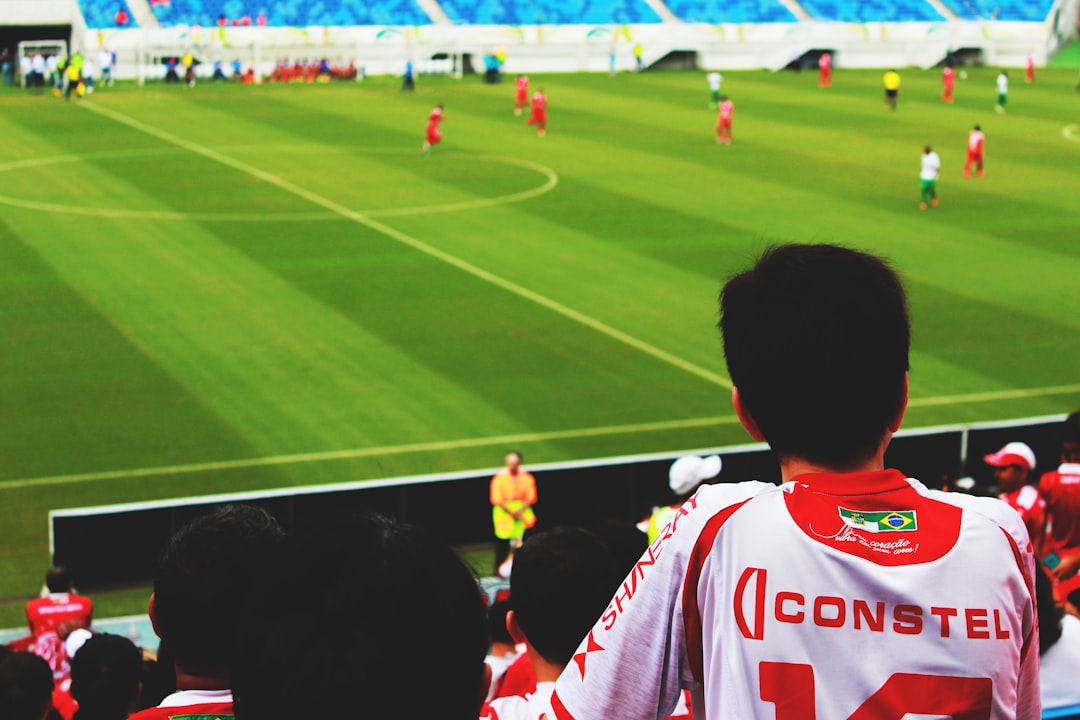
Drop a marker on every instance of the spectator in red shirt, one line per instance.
(1013, 465)
(53, 616)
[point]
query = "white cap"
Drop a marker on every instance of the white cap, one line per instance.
(1014, 453)
(688, 472)
(75, 640)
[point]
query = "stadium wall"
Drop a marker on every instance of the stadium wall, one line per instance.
(117, 545)
(583, 48)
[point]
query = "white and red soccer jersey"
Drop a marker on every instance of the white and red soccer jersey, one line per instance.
(534, 706)
(521, 87)
(727, 110)
(61, 612)
(539, 103)
(825, 62)
(1032, 508)
(216, 704)
(948, 76)
(863, 596)
(975, 143)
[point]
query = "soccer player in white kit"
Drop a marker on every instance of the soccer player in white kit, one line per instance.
(849, 591)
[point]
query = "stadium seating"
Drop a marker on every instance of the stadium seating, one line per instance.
(289, 12)
(733, 11)
(556, 12)
(102, 13)
(872, 10)
(1026, 10)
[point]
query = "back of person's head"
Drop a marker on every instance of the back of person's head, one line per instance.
(26, 686)
(625, 541)
(816, 339)
(206, 574)
(1070, 438)
(105, 676)
(562, 581)
(371, 618)
(58, 580)
(496, 615)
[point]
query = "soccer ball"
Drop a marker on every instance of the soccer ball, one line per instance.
(963, 74)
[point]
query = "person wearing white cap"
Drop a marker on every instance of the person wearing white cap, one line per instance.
(684, 476)
(1013, 465)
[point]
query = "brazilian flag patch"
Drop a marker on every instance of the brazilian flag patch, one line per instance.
(886, 521)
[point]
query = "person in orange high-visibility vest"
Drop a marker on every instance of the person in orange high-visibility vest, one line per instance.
(513, 493)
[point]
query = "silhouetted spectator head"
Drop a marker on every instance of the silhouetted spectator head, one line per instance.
(625, 541)
(1070, 438)
(105, 676)
(26, 686)
(1050, 613)
(562, 581)
(496, 614)
(207, 574)
(58, 580)
(370, 617)
(816, 339)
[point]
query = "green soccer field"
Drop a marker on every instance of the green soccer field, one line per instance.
(235, 288)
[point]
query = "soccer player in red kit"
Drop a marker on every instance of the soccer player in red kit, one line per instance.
(723, 124)
(1029, 71)
(974, 152)
(432, 135)
(948, 79)
(825, 70)
(539, 112)
(521, 93)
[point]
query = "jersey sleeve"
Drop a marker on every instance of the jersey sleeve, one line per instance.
(633, 665)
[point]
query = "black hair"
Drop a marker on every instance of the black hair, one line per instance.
(560, 584)
(205, 576)
(26, 685)
(363, 599)
(58, 580)
(1070, 428)
(817, 339)
(105, 676)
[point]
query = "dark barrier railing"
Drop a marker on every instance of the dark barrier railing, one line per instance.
(118, 544)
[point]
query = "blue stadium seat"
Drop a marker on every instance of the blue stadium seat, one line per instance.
(102, 13)
(549, 12)
(730, 11)
(290, 12)
(872, 10)
(1023, 10)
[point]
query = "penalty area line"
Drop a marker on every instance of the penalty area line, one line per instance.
(300, 458)
(452, 260)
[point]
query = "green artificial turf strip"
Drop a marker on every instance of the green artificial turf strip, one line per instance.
(245, 319)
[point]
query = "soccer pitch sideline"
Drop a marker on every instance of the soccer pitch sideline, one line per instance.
(233, 288)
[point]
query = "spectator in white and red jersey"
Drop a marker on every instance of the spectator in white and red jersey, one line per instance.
(1013, 466)
(210, 575)
(561, 582)
(369, 619)
(53, 616)
(1061, 490)
(849, 591)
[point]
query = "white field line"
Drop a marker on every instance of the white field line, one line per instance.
(551, 180)
(298, 458)
(423, 247)
(500, 440)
